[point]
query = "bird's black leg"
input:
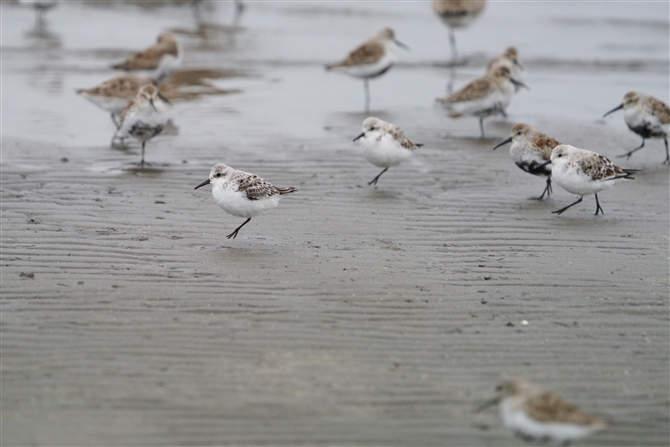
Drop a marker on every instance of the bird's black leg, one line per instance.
(481, 125)
(565, 208)
(142, 161)
(374, 180)
(667, 154)
(598, 207)
(628, 154)
(234, 233)
(450, 82)
(367, 95)
(452, 41)
(547, 190)
(116, 123)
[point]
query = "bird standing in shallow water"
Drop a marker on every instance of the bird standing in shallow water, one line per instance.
(584, 172)
(540, 415)
(646, 116)
(384, 145)
(144, 117)
(457, 14)
(243, 194)
(483, 97)
(531, 149)
(371, 59)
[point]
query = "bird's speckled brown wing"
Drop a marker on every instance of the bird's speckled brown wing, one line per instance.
(149, 58)
(546, 144)
(477, 89)
(660, 109)
(402, 139)
(368, 53)
(599, 167)
(550, 407)
(121, 87)
(255, 187)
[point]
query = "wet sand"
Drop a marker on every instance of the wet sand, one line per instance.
(350, 315)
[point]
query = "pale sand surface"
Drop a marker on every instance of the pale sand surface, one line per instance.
(350, 315)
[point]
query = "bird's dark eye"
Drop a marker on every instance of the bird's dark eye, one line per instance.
(218, 174)
(518, 133)
(560, 155)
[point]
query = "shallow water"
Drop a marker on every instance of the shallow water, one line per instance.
(349, 315)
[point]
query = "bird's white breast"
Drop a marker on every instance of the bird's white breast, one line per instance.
(145, 117)
(571, 178)
(236, 202)
(496, 100)
(367, 70)
(517, 420)
(524, 154)
(384, 151)
(168, 64)
(639, 116)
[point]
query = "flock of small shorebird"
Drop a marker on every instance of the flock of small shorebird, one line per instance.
(140, 111)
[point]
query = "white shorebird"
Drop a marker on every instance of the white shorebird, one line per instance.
(457, 14)
(584, 172)
(144, 117)
(384, 145)
(242, 194)
(646, 116)
(371, 59)
(510, 59)
(531, 149)
(483, 97)
(158, 61)
(541, 415)
(114, 94)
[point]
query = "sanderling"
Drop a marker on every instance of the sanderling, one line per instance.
(158, 61)
(485, 96)
(510, 59)
(371, 59)
(584, 172)
(144, 117)
(384, 145)
(541, 415)
(646, 116)
(114, 94)
(242, 194)
(457, 14)
(531, 149)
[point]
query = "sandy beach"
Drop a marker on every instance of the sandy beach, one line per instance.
(349, 315)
